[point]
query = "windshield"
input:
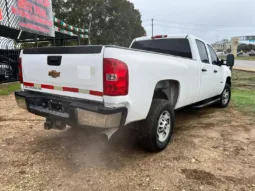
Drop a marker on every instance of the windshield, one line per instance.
(176, 47)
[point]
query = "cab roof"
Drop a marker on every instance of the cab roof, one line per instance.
(169, 36)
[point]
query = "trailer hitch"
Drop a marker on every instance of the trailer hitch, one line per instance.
(54, 124)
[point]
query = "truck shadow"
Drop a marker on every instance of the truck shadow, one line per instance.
(188, 116)
(78, 149)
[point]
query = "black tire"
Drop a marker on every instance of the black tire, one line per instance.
(149, 137)
(223, 103)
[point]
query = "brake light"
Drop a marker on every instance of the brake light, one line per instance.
(115, 77)
(159, 36)
(20, 71)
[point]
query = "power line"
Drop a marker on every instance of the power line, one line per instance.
(200, 29)
(174, 22)
(222, 25)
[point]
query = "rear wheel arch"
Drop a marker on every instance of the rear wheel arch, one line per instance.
(167, 90)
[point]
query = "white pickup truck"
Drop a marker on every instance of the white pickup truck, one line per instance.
(110, 87)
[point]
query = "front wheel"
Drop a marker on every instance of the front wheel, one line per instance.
(225, 97)
(156, 130)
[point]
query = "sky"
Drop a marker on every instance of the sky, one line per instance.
(207, 19)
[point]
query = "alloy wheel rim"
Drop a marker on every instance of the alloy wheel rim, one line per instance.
(225, 96)
(164, 126)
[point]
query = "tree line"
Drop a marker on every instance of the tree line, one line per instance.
(246, 47)
(114, 22)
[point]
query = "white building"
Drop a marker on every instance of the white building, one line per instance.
(222, 45)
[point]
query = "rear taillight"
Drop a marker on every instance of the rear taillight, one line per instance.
(20, 71)
(115, 77)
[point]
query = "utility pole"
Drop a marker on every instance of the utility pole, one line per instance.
(217, 38)
(152, 25)
(89, 35)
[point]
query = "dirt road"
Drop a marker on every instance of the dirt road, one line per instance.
(212, 149)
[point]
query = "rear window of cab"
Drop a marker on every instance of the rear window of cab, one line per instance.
(176, 47)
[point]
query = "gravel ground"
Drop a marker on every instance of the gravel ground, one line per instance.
(212, 149)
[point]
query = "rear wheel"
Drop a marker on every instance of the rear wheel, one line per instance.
(225, 97)
(157, 129)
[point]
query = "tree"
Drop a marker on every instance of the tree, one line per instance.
(113, 21)
(245, 47)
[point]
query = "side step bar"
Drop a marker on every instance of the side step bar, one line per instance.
(205, 104)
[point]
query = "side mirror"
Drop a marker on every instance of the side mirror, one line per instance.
(230, 60)
(222, 62)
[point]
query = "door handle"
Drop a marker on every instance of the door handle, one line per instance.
(204, 70)
(215, 71)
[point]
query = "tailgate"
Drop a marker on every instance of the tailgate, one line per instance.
(69, 71)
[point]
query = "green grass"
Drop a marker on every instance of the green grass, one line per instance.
(243, 79)
(245, 58)
(6, 89)
(243, 93)
(244, 100)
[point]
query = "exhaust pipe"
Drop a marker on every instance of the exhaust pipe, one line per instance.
(106, 135)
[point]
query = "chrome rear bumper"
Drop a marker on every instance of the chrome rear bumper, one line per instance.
(78, 111)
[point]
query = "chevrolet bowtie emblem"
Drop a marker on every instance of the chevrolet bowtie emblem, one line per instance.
(54, 74)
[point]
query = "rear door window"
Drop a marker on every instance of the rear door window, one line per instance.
(213, 55)
(202, 51)
(176, 47)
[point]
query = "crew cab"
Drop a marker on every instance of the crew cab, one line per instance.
(110, 87)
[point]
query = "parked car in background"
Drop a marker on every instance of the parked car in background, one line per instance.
(8, 68)
(252, 53)
(5, 71)
(240, 54)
